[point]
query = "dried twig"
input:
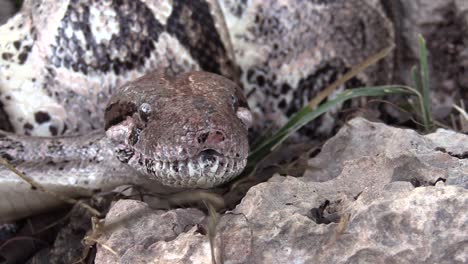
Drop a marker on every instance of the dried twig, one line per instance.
(36, 186)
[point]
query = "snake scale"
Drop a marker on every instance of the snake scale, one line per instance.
(79, 118)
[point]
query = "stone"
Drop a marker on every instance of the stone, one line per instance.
(131, 227)
(375, 194)
(7, 10)
(376, 153)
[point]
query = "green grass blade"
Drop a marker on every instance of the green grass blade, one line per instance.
(416, 79)
(425, 88)
(418, 107)
(306, 115)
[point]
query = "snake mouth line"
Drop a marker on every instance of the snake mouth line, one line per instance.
(208, 168)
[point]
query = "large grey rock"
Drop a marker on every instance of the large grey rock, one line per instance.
(131, 227)
(403, 227)
(377, 154)
(366, 208)
(274, 224)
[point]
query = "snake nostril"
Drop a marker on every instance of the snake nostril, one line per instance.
(215, 137)
(202, 138)
(219, 136)
(212, 137)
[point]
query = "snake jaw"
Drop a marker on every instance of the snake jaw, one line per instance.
(197, 172)
(206, 169)
(194, 162)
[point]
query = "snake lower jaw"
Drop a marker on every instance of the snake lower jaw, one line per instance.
(205, 170)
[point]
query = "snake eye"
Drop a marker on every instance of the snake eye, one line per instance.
(145, 111)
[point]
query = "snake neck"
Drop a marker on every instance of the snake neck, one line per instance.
(18, 149)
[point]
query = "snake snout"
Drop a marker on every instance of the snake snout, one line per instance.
(213, 143)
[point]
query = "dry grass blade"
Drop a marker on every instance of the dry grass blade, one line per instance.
(16, 238)
(463, 117)
(349, 75)
(91, 239)
(461, 111)
(213, 220)
(37, 186)
(338, 231)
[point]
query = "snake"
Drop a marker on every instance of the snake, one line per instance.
(96, 94)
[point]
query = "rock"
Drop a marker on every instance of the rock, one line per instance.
(131, 227)
(374, 202)
(274, 224)
(397, 229)
(7, 10)
(376, 153)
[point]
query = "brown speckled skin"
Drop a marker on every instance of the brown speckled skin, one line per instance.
(196, 120)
